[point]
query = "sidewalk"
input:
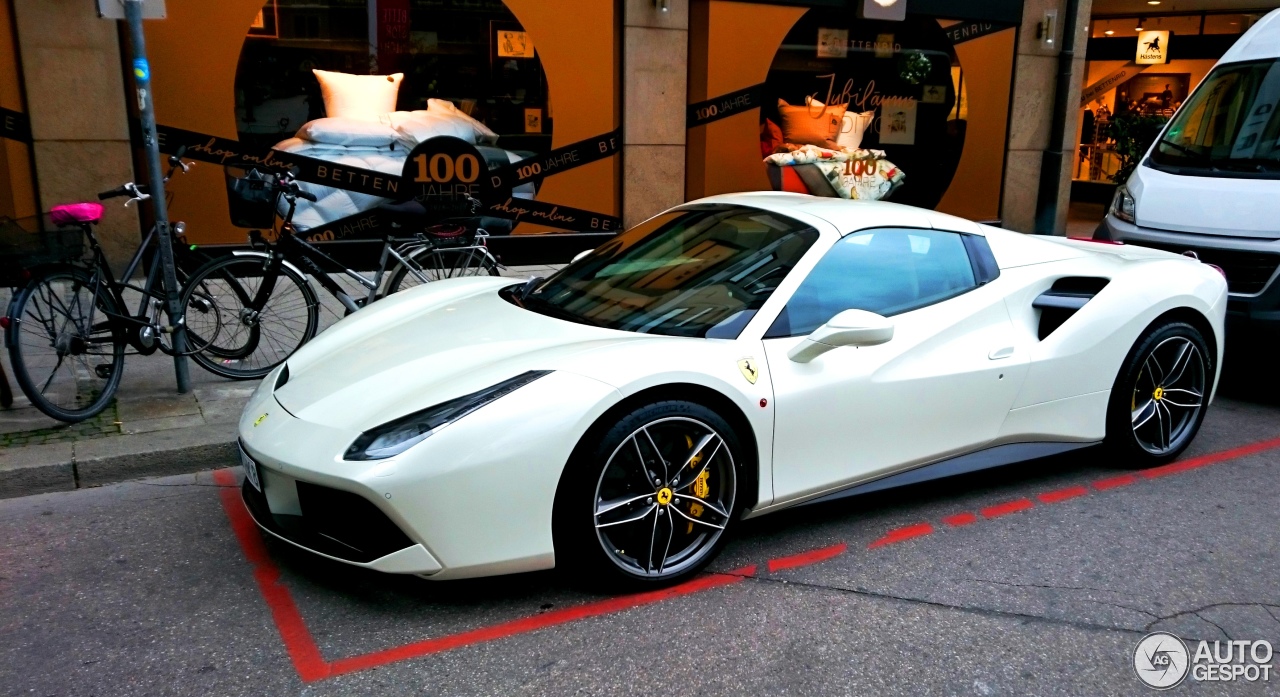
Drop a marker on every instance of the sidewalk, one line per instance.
(150, 430)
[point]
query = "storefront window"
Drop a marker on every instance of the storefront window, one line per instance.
(913, 111)
(475, 55)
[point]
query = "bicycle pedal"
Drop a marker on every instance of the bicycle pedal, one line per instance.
(104, 371)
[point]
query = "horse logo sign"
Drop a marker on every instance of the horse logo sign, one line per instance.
(1153, 48)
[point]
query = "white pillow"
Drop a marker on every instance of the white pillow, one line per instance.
(484, 134)
(851, 128)
(347, 131)
(357, 96)
(414, 127)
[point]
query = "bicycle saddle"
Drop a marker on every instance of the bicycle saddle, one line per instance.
(72, 213)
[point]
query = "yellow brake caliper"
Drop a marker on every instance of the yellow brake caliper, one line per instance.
(700, 486)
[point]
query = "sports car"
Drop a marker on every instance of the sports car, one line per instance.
(728, 358)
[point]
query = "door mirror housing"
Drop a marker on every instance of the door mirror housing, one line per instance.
(580, 255)
(849, 328)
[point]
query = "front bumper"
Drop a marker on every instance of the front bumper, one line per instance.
(1252, 265)
(474, 499)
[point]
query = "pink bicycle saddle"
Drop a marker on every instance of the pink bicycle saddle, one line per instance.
(71, 213)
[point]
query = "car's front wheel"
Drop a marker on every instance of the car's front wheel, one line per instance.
(1159, 399)
(649, 499)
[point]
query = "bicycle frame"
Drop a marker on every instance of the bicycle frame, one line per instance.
(311, 259)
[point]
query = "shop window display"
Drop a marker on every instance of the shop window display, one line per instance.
(361, 82)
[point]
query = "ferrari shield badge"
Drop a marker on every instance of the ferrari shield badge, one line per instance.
(259, 420)
(749, 369)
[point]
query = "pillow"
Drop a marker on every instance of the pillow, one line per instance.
(358, 96)
(811, 125)
(413, 127)
(347, 131)
(852, 126)
(484, 134)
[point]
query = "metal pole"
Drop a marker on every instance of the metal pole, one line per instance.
(155, 176)
(1056, 153)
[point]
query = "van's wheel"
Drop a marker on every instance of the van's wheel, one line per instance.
(1160, 396)
(650, 499)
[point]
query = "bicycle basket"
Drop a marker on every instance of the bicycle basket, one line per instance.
(252, 197)
(26, 243)
(451, 235)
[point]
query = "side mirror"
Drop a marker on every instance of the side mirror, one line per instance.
(580, 255)
(849, 328)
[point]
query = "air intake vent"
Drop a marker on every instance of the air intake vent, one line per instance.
(1064, 299)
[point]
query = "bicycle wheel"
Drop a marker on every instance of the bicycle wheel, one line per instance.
(67, 354)
(248, 343)
(437, 264)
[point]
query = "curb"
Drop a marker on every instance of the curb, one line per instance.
(52, 467)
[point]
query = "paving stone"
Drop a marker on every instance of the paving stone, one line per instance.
(154, 406)
(36, 469)
(163, 423)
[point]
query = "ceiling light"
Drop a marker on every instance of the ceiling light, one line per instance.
(1141, 21)
(1108, 32)
(1153, 2)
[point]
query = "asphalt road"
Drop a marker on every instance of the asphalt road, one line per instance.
(147, 589)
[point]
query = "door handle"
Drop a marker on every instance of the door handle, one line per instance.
(999, 353)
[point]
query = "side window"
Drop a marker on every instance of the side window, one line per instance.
(887, 271)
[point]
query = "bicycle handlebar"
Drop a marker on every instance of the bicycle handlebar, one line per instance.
(135, 191)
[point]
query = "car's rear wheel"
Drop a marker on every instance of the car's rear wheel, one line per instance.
(650, 498)
(1159, 399)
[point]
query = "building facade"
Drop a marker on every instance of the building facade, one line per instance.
(626, 106)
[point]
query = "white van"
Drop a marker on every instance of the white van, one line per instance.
(1210, 184)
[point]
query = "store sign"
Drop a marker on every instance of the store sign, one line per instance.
(1153, 48)
(1108, 83)
(891, 10)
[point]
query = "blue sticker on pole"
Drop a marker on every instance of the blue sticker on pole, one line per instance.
(141, 70)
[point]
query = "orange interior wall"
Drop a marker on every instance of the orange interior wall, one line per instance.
(987, 63)
(194, 53)
(732, 45)
(17, 184)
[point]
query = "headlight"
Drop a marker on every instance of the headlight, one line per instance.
(395, 437)
(1123, 206)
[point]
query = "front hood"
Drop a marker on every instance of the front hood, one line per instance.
(1207, 205)
(425, 346)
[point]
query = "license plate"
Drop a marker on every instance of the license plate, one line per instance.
(250, 469)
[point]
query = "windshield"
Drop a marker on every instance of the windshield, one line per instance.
(1230, 125)
(702, 272)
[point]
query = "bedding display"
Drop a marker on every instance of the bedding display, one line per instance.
(851, 173)
(353, 135)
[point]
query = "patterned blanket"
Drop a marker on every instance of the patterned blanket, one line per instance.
(854, 173)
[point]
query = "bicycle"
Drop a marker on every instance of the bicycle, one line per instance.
(266, 299)
(52, 328)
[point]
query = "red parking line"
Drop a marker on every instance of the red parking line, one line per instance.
(909, 532)
(1062, 494)
(960, 519)
(806, 558)
(306, 656)
(311, 666)
(1211, 458)
(1113, 482)
(1006, 508)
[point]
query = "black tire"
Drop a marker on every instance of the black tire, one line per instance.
(1159, 398)
(247, 345)
(593, 531)
(438, 264)
(67, 356)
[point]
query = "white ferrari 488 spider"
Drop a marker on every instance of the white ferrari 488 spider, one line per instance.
(730, 357)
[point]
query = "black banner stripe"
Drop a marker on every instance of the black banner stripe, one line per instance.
(558, 160)
(968, 31)
(15, 125)
(227, 152)
(702, 113)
